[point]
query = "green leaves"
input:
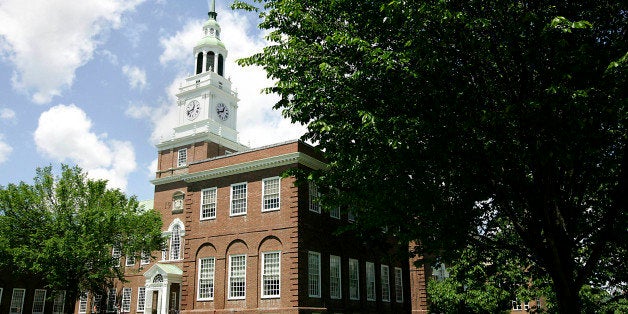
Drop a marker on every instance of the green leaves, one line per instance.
(63, 229)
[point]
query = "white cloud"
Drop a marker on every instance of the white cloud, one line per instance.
(139, 111)
(48, 40)
(258, 123)
(5, 149)
(135, 75)
(7, 114)
(65, 133)
(152, 169)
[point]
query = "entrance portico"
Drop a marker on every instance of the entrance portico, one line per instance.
(163, 289)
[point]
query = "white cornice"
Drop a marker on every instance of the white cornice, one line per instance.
(199, 137)
(249, 166)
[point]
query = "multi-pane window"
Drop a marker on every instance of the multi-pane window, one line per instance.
(130, 260)
(96, 301)
(385, 274)
(335, 287)
(350, 216)
(270, 194)
(59, 302)
(516, 305)
(126, 300)
(314, 196)
(182, 157)
(145, 259)
(208, 203)
(141, 299)
(398, 285)
(354, 279)
(39, 300)
(207, 267)
(175, 243)
(115, 254)
(271, 274)
(17, 301)
(335, 212)
(370, 281)
(111, 300)
(314, 274)
(238, 199)
(237, 276)
(83, 303)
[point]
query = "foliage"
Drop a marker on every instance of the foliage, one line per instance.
(495, 125)
(62, 230)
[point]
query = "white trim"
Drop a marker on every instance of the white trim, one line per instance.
(249, 166)
(215, 189)
(20, 309)
(246, 195)
(278, 193)
(356, 279)
(183, 163)
(332, 276)
(229, 296)
(385, 282)
(125, 301)
(198, 280)
(82, 300)
(371, 294)
(56, 301)
(43, 301)
(263, 268)
(141, 295)
(399, 292)
(311, 254)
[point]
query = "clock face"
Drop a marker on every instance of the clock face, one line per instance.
(192, 109)
(222, 111)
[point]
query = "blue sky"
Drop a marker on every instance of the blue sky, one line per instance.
(92, 83)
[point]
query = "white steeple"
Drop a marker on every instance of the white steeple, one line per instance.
(207, 104)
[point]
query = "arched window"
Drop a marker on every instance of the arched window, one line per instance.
(210, 61)
(175, 243)
(158, 278)
(220, 65)
(199, 63)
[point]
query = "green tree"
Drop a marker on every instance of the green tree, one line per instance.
(61, 231)
(451, 120)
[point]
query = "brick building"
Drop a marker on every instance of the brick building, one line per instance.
(242, 237)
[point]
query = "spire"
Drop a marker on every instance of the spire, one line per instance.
(212, 10)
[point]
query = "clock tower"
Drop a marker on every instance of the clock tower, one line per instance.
(207, 106)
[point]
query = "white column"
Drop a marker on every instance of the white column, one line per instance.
(204, 61)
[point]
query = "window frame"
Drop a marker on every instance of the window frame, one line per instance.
(385, 282)
(354, 278)
(211, 278)
(182, 159)
(13, 299)
(264, 194)
(41, 302)
(145, 258)
(398, 285)
(172, 243)
(265, 276)
(232, 200)
(141, 299)
(316, 274)
(203, 203)
(335, 277)
(130, 259)
(116, 254)
(82, 303)
(56, 302)
(231, 277)
(314, 195)
(125, 303)
(371, 283)
(112, 298)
